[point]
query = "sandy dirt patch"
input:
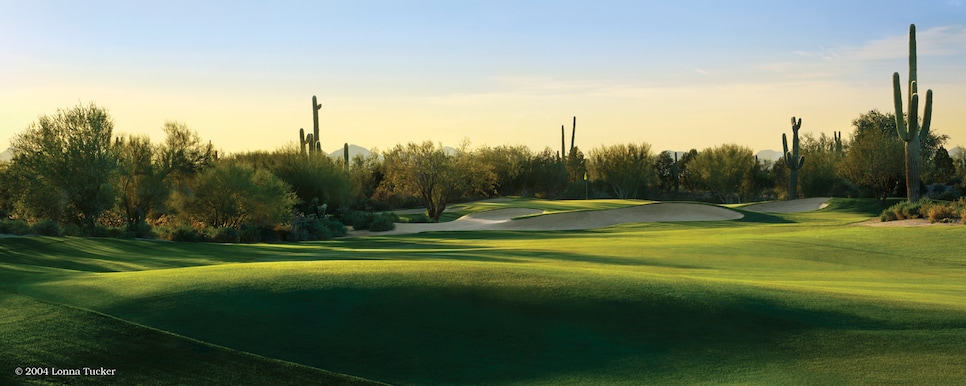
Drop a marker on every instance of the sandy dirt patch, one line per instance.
(793, 206)
(503, 219)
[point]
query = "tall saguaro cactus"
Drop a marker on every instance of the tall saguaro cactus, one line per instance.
(345, 157)
(573, 134)
(563, 143)
(912, 133)
(793, 160)
(312, 140)
(315, 145)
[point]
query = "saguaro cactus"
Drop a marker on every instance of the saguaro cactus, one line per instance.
(793, 160)
(912, 133)
(563, 143)
(345, 156)
(573, 134)
(312, 140)
(302, 140)
(315, 145)
(837, 136)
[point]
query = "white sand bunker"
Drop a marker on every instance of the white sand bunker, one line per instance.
(793, 206)
(502, 219)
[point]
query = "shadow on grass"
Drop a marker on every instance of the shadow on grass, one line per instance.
(484, 333)
(43, 334)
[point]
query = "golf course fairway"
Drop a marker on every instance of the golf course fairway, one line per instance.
(769, 298)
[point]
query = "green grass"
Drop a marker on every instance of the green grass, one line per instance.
(456, 211)
(770, 299)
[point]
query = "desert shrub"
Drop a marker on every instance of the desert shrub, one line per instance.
(226, 235)
(911, 209)
(259, 234)
(310, 228)
(184, 233)
(14, 227)
(887, 215)
(100, 230)
(905, 210)
(383, 222)
(47, 228)
(336, 228)
(358, 220)
(941, 212)
(140, 230)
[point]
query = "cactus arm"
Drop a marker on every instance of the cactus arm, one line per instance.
(913, 125)
(784, 144)
(897, 98)
(927, 117)
(801, 161)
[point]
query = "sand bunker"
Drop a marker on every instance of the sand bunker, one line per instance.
(793, 206)
(502, 219)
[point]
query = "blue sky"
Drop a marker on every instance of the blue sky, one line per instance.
(678, 75)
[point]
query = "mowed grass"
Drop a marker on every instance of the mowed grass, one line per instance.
(456, 211)
(769, 299)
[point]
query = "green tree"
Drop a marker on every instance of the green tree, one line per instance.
(667, 171)
(546, 175)
(184, 155)
(232, 193)
(626, 168)
(423, 170)
(723, 170)
(819, 176)
(316, 181)
(7, 182)
(140, 179)
(63, 163)
(875, 155)
(576, 165)
(365, 177)
(509, 165)
(684, 170)
(942, 167)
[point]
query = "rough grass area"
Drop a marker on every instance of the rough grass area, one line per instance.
(802, 298)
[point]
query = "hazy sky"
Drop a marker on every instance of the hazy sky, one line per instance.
(675, 74)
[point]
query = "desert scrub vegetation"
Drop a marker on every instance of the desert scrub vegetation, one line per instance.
(933, 210)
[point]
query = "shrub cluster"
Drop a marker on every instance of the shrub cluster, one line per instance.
(934, 210)
(376, 222)
(14, 227)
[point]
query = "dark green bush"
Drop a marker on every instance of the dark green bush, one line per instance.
(336, 228)
(184, 233)
(383, 222)
(14, 227)
(46, 228)
(226, 235)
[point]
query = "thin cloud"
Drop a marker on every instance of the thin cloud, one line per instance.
(937, 41)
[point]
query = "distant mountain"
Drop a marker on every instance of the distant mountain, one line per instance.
(354, 150)
(6, 155)
(769, 155)
(957, 151)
